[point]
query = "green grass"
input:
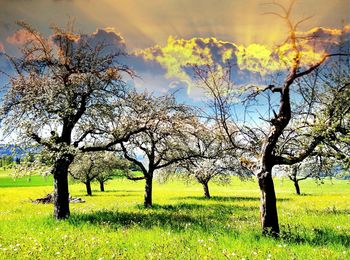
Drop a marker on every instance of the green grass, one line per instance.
(181, 225)
(26, 181)
(8, 180)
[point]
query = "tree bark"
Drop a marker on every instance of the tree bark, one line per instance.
(88, 187)
(268, 208)
(297, 188)
(102, 186)
(148, 191)
(206, 190)
(61, 193)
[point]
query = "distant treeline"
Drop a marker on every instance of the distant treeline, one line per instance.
(7, 160)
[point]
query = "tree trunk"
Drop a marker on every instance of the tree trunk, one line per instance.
(102, 186)
(268, 208)
(297, 188)
(206, 190)
(61, 193)
(88, 187)
(148, 191)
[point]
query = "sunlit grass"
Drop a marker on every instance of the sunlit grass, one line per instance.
(8, 179)
(181, 225)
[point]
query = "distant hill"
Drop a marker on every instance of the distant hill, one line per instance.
(13, 150)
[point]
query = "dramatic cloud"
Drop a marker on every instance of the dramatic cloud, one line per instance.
(256, 58)
(164, 68)
(323, 38)
(178, 54)
(2, 48)
(20, 37)
(109, 36)
(203, 33)
(266, 60)
(313, 46)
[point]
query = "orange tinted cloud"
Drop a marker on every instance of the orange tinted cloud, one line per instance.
(347, 28)
(322, 35)
(107, 35)
(2, 49)
(172, 59)
(20, 37)
(256, 58)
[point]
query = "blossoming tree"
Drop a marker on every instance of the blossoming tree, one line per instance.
(68, 96)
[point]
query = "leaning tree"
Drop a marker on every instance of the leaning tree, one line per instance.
(260, 146)
(65, 92)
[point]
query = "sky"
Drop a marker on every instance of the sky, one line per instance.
(164, 35)
(146, 23)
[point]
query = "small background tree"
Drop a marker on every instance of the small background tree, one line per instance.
(163, 143)
(99, 166)
(210, 163)
(110, 166)
(85, 169)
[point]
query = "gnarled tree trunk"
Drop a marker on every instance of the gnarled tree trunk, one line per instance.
(61, 193)
(268, 208)
(148, 190)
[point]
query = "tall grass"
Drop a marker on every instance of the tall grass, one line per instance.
(181, 225)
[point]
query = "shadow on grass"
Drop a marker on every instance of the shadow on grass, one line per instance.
(315, 236)
(303, 195)
(99, 194)
(328, 211)
(209, 218)
(176, 217)
(114, 193)
(118, 219)
(225, 198)
(193, 207)
(118, 191)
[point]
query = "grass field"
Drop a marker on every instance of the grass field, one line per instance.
(181, 225)
(8, 180)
